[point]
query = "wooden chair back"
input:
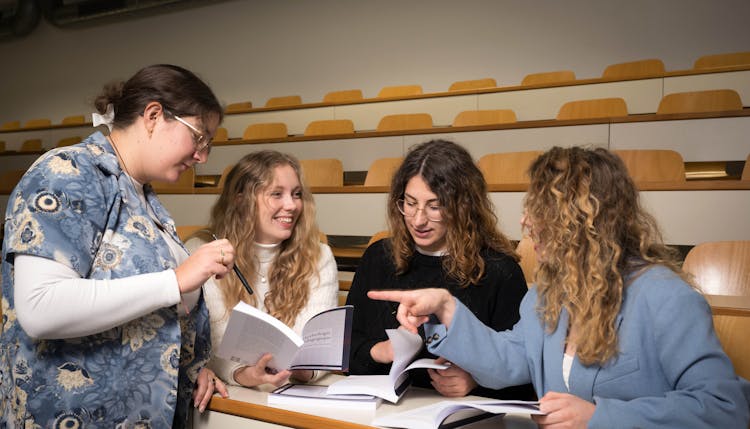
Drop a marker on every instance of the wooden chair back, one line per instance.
(632, 69)
(37, 123)
(720, 267)
(465, 85)
(186, 182)
(378, 236)
(74, 120)
(322, 172)
(185, 231)
(266, 131)
(381, 171)
(240, 106)
(653, 165)
(223, 177)
(715, 100)
(746, 169)
(221, 135)
(596, 108)
(405, 121)
(525, 250)
(10, 125)
(400, 91)
(507, 167)
(9, 180)
(545, 78)
(722, 60)
(68, 141)
(283, 101)
(31, 145)
(329, 127)
(2, 145)
(475, 118)
(343, 96)
(732, 328)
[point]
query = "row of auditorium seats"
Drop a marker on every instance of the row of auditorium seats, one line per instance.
(35, 145)
(621, 71)
(724, 100)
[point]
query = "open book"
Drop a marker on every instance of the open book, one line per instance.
(461, 412)
(325, 341)
(316, 396)
(392, 386)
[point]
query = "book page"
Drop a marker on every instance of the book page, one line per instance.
(327, 340)
(431, 416)
(251, 333)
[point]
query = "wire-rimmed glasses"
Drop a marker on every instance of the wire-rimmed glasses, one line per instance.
(432, 211)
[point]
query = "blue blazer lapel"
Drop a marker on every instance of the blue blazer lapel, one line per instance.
(552, 354)
(582, 378)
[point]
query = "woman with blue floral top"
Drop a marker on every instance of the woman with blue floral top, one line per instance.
(104, 324)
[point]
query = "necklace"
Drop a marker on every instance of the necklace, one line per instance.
(262, 269)
(122, 160)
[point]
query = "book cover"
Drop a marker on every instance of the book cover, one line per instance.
(390, 387)
(315, 395)
(324, 344)
(440, 414)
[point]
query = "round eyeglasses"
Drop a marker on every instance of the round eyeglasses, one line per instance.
(200, 140)
(432, 211)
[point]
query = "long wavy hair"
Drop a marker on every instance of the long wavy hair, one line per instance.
(233, 216)
(468, 213)
(594, 237)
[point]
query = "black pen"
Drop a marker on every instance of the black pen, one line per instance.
(237, 271)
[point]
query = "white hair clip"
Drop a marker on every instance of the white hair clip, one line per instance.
(108, 118)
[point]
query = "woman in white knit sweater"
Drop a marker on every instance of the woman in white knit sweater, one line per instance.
(268, 214)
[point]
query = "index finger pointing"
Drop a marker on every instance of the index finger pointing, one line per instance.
(386, 295)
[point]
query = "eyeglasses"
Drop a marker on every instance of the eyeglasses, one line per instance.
(200, 140)
(433, 212)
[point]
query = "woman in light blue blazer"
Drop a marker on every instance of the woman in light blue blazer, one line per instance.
(612, 334)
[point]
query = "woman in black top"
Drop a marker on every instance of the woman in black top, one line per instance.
(443, 234)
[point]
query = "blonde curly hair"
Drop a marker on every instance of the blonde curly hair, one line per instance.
(594, 237)
(233, 217)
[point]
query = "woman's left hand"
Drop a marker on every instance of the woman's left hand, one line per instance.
(452, 382)
(564, 411)
(205, 386)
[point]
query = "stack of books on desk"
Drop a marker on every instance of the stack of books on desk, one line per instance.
(316, 396)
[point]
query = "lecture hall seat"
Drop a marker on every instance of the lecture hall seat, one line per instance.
(238, 107)
(2, 145)
(746, 169)
(284, 101)
(381, 171)
(68, 141)
(722, 60)
(266, 131)
(590, 109)
(653, 165)
(547, 78)
(400, 91)
(9, 180)
(507, 167)
(322, 172)
(343, 96)
(328, 127)
(10, 125)
(405, 122)
(635, 69)
(467, 85)
(221, 135)
(74, 120)
(714, 100)
(475, 118)
(184, 183)
(31, 145)
(720, 267)
(37, 123)
(185, 231)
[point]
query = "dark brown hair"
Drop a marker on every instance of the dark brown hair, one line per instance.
(468, 213)
(178, 90)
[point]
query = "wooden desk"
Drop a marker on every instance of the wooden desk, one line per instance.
(247, 408)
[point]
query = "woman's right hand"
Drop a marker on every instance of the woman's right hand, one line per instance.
(382, 352)
(251, 376)
(211, 259)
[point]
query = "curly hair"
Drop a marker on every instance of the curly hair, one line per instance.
(594, 238)
(233, 217)
(468, 213)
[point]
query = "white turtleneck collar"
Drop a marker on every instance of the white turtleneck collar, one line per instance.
(442, 252)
